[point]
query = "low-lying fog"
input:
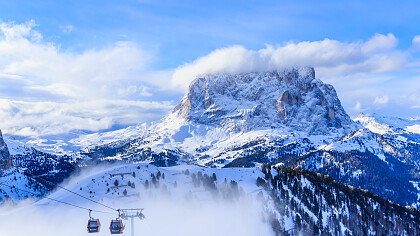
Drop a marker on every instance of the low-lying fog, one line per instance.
(165, 215)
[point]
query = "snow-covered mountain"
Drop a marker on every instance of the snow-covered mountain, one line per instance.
(283, 118)
(404, 129)
(383, 157)
(21, 165)
(222, 112)
(291, 100)
(72, 142)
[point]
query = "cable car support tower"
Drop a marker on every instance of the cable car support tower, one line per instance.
(132, 213)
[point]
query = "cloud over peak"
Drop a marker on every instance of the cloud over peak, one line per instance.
(46, 90)
(329, 57)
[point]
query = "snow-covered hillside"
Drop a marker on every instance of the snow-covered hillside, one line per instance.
(191, 200)
(405, 129)
(135, 181)
(14, 179)
(70, 143)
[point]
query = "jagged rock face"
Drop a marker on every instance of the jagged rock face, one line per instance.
(5, 160)
(290, 99)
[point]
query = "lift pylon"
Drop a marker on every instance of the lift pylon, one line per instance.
(132, 213)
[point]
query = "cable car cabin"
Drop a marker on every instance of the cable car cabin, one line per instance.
(93, 226)
(116, 227)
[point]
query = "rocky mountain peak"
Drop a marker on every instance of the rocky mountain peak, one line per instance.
(5, 160)
(291, 99)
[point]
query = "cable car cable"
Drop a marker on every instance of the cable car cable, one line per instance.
(70, 204)
(34, 178)
(153, 230)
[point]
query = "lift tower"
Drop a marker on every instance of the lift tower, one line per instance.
(132, 213)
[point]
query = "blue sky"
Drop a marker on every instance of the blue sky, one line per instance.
(181, 31)
(100, 64)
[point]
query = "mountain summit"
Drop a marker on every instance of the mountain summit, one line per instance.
(291, 99)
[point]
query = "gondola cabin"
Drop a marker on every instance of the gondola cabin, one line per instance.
(93, 226)
(116, 227)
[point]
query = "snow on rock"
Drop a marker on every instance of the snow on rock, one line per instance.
(291, 99)
(5, 160)
(361, 140)
(416, 185)
(404, 129)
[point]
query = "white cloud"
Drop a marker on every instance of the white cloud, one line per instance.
(11, 31)
(92, 73)
(329, 57)
(416, 42)
(381, 100)
(380, 42)
(67, 28)
(46, 90)
(48, 118)
(358, 107)
(133, 89)
(144, 91)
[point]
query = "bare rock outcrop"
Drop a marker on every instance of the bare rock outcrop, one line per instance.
(5, 160)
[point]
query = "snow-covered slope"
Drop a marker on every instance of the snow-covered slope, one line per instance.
(24, 165)
(186, 198)
(403, 128)
(234, 201)
(14, 179)
(110, 184)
